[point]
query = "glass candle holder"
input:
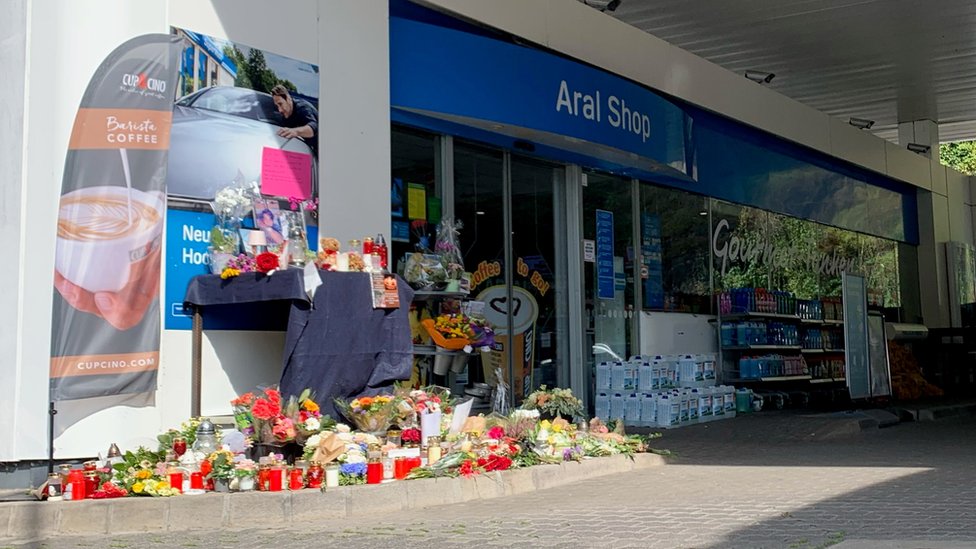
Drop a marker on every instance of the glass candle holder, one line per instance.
(332, 475)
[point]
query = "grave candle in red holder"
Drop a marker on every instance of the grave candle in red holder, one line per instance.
(196, 480)
(400, 468)
(276, 480)
(295, 480)
(374, 472)
(176, 480)
(315, 475)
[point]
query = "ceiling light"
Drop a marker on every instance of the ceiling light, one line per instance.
(861, 123)
(760, 77)
(918, 148)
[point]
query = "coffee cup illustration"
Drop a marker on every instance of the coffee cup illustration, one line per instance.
(521, 338)
(105, 233)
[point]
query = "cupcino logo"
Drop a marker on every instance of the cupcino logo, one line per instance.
(143, 84)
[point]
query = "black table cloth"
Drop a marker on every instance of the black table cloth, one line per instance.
(336, 345)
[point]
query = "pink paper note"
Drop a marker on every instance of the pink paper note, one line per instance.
(286, 174)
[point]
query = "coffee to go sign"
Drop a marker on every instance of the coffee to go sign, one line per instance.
(731, 249)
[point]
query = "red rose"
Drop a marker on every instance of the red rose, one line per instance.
(265, 409)
(496, 432)
(267, 261)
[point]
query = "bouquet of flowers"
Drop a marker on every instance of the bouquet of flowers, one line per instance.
(448, 248)
(554, 403)
(265, 418)
(369, 413)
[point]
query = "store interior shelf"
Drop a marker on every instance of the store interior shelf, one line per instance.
(834, 322)
(827, 380)
(760, 379)
(763, 348)
(426, 295)
(821, 351)
(428, 350)
(742, 316)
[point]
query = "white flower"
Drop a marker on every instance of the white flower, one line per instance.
(342, 428)
(525, 414)
(313, 441)
(371, 439)
(355, 458)
(312, 424)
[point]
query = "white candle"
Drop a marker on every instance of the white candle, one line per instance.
(331, 476)
(342, 262)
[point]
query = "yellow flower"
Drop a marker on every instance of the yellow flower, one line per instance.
(143, 474)
(229, 272)
(310, 405)
(137, 488)
(545, 424)
(557, 427)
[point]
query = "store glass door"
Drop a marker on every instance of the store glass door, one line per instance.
(509, 236)
(608, 268)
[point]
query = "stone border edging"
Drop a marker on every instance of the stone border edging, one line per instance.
(25, 521)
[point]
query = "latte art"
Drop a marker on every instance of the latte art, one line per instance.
(87, 218)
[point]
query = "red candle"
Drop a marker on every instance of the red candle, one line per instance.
(414, 462)
(295, 480)
(196, 480)
(275, 481)
(78, 484)
(179, 446)
(374, 472)
(315, 475)
(400, 468)
(176, 481)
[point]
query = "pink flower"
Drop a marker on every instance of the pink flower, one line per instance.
(284, 429)
(496, 433)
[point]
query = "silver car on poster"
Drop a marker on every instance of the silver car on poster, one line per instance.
(220, 132)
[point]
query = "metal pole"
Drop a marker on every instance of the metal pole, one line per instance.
(50, 438)
(196, 363)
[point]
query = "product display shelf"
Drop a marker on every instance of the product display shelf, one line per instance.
(429, 353)
(798, 326)
(770, 378)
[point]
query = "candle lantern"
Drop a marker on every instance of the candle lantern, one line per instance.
(206, 441)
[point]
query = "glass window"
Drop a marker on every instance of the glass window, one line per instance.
(414, 170)
(674, 249)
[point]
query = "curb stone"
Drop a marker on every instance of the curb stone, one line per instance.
(25, 521)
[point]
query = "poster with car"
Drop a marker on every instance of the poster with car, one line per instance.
(234, 103)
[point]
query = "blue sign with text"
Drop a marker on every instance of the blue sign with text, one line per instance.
(531, 89)
(604, 254)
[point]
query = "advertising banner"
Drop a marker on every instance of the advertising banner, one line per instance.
(106, 323)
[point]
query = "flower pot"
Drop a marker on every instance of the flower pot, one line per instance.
(458, 362)
(222, 485)
(442, 363)
(245, 484)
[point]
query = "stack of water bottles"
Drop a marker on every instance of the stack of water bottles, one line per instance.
(662, 392)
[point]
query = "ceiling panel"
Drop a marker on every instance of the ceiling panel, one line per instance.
(884, 60)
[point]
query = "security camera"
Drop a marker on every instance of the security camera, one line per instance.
(760, 77)
(603, 5)
(861, 123)
(918, 148)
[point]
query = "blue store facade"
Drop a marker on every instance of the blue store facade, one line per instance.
(595, 210)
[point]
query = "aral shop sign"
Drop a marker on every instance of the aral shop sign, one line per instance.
(732, 250)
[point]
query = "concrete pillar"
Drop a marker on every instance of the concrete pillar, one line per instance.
(13, 29)
(354, 123)
(933, 233)
(920, 132)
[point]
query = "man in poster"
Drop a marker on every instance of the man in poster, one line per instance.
(300, 119)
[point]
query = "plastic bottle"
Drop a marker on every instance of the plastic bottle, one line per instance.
(728, 397)
(705, 404)
(727, 334)
(708, 369)
(718, 402)
(686, 371)
(694, 402)
(630, 375)
(602, 406)
(682, 397)
(742, 334)
(617, 406)
(603, 376)
(664, 411)
(648, 411)
(743, 401)
(645, 376)
(632, 410)
(617, 373)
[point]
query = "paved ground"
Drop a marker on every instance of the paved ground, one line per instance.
(774, 481)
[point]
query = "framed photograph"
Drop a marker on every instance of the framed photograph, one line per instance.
(268, 219)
